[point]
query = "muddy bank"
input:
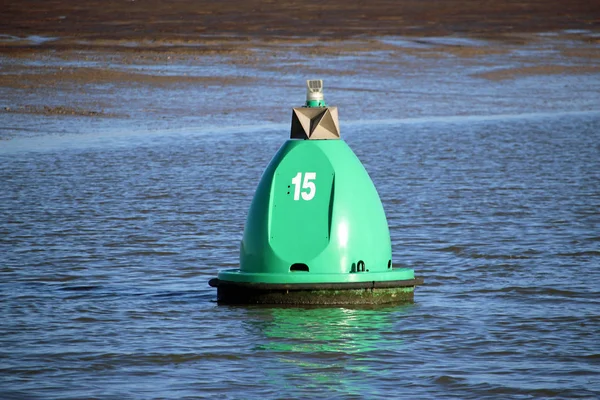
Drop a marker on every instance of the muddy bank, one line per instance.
(104, 23)
(52, 77)
(511, 73)
(59, 110)
(123, 66)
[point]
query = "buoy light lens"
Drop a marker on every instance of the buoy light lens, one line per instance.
(315, 85)
(314, 93)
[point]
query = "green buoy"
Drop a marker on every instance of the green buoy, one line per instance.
(316, 231)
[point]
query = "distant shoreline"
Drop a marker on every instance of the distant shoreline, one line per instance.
(100, 23)
(148, 64)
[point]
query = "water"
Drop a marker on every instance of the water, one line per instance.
(107, 247)
(110, 228)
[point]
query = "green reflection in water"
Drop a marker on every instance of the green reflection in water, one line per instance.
(333, 349)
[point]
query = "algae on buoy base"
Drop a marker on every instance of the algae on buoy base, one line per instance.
(315, 294)
(316, 232)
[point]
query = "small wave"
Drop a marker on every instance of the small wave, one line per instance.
(499, 256)
(164, 359)
(462, 250)
(452, 249)
(547, 291)
(82, 288)
(19, 395)
(498, 353)
(201, 294)
(510, 213)
(126, 218)
(448, 380)
(86, 319)
(150, 253)
(580, 254)
(591, 357)
(50, 279)
(155, 196)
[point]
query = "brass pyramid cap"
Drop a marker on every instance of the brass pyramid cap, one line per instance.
(315, 123)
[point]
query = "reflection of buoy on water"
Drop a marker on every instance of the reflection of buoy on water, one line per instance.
(316, 231)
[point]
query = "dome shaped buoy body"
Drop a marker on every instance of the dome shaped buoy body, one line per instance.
(316, 231)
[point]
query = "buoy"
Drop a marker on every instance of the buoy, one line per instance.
(316, 231)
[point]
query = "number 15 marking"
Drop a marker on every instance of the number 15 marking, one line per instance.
(307, 184)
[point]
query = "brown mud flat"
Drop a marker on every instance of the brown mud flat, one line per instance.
(107, 24)
(148, 61)
(510, 73)
(59, 110)
(63, 77)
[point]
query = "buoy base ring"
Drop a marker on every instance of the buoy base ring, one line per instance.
(349, 293)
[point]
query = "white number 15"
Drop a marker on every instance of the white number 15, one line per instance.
(307, 184)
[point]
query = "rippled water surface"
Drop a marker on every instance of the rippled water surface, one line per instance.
(107, 244)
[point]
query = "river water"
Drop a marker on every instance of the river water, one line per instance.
(108, 240)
